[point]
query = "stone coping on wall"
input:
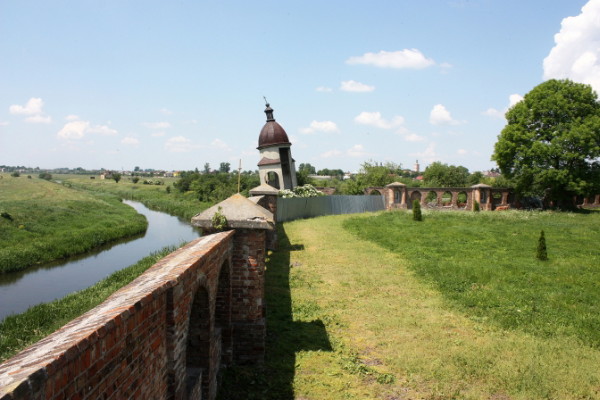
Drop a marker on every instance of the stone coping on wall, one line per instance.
(240, 213)
(44, 358)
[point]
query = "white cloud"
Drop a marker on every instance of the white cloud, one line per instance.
(178, 144)
(156, 125)
(331, 153)
(494, 113)
(413, 137)
(220, 145)
(102, 130)
(3, 123)
(353, 86)
(130, 141)
(374, 119)
(407, 58)
(462, 152)
(445, 67)
(34, 106)
(74, 130)
(158, 134)
(39, 119)
(71, 117)
(320, 126)
(324, 89)
(356, 151)
(576, 54)
(165, 111)
(514, 99)
(439, 115)
(77, 129)
(428, 155)
(33, 109)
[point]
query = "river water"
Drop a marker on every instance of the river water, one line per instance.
(23, 289)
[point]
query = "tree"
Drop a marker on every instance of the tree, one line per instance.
(224, 167)
(444, 175)
(206, 169)
(550, 145)
(307, 168)
(116, 176)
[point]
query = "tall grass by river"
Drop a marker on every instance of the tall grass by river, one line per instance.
(163, 197)
(43, 221)
(22, 330)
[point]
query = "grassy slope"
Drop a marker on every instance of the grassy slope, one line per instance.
(50, 221)
(22, 330)
(154, 197)
(354, 321)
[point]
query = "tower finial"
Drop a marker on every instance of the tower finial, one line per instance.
(268, 110)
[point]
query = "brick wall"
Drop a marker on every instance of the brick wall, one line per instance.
(165, 335)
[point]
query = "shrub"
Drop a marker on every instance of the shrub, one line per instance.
(301, 191)
(45, 175)
(475, 206)
(542, 254)
(15, 174)
(417, 215)
(135, 179)
(219, 221)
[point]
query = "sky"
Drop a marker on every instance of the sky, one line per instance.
(173, 85)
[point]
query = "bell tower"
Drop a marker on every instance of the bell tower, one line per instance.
(276, 166)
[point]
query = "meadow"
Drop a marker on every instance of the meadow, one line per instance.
(41, 221)
(378, 306)
(162, 197)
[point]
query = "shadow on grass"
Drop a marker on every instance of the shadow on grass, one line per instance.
(285, 337)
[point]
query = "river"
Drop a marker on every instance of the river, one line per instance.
(41, 284)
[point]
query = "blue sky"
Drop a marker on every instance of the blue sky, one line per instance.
(173, 85)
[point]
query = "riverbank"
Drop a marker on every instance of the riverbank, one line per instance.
(22, 330)
(43, 221)
(157, 194)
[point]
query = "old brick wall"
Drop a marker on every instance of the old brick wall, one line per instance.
(165, 335)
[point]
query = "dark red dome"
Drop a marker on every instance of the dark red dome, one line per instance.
(272, 133)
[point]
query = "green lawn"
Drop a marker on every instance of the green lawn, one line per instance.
(43, 221)
(378, 306)
(485, 264)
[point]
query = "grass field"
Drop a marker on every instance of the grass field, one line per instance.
(22, 330)
(378, 306)
(155, 197)
(43, 221)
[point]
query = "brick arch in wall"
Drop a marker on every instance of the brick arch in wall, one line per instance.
(373, 191)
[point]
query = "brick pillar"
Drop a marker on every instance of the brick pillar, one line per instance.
(248, 293)
(252, 224)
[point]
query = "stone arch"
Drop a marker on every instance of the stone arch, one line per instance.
(223, 313)
(272, 178)
(447, 198)
(496, 198)
(431, 199)
(462, 200)
(414, 195)
(374, 192)
(198, 348)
